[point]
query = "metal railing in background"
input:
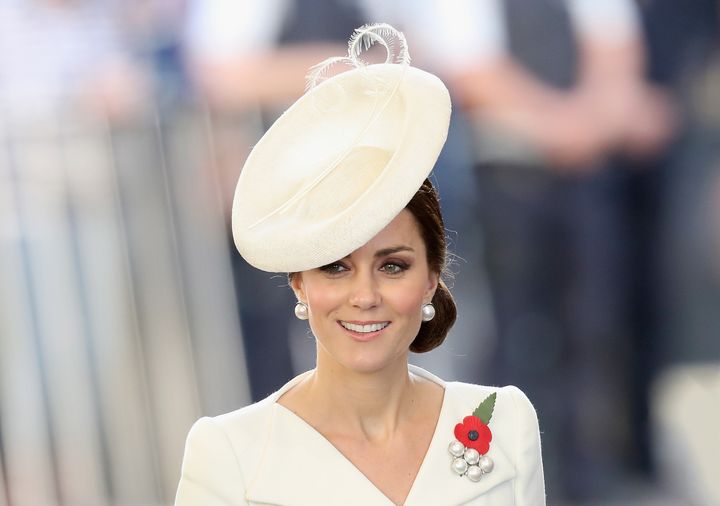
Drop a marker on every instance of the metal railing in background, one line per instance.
(118, 318)
(3, 493)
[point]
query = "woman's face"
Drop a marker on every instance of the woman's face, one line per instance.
(365, 308)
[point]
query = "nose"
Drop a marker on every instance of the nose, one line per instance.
(364, 293)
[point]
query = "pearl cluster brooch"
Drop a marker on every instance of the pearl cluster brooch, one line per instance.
(472, 442)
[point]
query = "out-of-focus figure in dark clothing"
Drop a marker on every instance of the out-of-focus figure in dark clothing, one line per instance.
(684, 43)
(684, 49)
(555, 91)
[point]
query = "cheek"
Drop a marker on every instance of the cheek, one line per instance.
(325, 301)
(323, 298)
(408, 301)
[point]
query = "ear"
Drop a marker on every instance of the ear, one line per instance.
(298, 287)
(433, 281)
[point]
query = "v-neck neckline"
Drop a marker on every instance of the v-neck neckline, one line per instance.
(325, 441)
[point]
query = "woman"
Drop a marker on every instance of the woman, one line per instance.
(336, 194)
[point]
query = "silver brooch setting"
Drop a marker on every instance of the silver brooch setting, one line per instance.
(468, 461)
(472, 442)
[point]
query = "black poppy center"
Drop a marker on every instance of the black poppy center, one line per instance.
(473, 435)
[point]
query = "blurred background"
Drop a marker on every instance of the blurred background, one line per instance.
(580, 186)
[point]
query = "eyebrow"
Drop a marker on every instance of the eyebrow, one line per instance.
(389, 251)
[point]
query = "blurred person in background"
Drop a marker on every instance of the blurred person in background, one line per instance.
(684, 56)
(58, 55)
(555, 93)
(154, 29)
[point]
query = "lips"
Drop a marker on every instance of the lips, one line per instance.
(364, 328)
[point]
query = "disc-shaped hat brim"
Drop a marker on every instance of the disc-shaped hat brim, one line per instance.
(338, 166)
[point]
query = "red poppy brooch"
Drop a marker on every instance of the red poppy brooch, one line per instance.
(472, 442)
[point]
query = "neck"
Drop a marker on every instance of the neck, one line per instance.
(371, 403)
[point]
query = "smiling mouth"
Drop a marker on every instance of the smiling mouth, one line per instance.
(364, 329)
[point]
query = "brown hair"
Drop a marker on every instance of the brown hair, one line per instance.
(425, 207)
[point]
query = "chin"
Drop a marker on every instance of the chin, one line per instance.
(364, 358)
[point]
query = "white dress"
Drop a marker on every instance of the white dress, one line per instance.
(264, 454)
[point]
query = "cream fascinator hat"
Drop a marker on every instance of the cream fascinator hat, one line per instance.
(343, 160)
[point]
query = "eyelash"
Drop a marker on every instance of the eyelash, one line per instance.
(401, 267)
(333, 268)
(338, 268)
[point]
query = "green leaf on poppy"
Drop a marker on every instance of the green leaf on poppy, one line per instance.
(485, 410)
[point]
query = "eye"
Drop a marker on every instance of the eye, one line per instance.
(394, 267)
(333, 268)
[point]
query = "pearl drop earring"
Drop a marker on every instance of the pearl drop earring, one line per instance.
(428, 312)
(301, 311)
